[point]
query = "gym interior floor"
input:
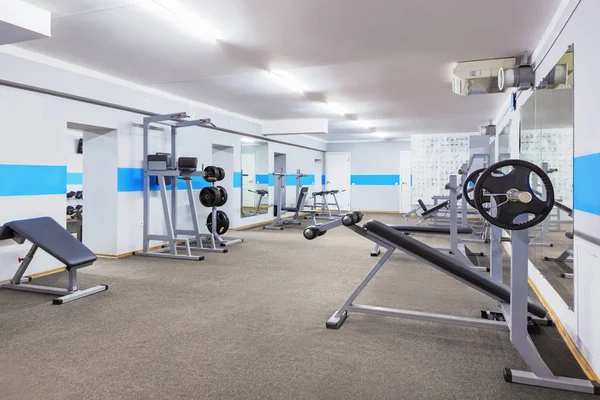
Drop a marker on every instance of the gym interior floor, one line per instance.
(250, 324)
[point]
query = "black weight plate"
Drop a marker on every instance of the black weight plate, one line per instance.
(222, 198)
(70, 210)
(472, 178)
(498, 185)
(209, 196)
(71, 194)
(222, 223)
(220, 174)
(210, 173)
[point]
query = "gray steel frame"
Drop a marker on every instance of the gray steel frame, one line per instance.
(515, 313)
(72, 292)
(172, 238)
(278, 222)
(457, 247)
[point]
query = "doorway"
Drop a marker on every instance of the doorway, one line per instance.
(337, 174)
(279, 192)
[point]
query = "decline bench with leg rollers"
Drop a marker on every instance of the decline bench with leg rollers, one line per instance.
(46, 234)
(502, 201)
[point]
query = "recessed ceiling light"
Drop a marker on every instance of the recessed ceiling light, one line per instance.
(285, 80)
(336, 108)
(248, 140)
(365, 124)
(173, 12)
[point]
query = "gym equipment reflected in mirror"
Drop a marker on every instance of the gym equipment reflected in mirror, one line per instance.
(255, 177)
(547, 140)
(504, 143)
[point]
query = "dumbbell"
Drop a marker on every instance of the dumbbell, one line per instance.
(70, 210)
(78, 207)
(71, 194)
(79, 194)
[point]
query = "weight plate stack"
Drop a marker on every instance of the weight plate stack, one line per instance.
(211, 173)
(220, 174)
(222, 197)
(210, 196)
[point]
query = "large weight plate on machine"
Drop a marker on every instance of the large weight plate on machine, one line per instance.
(222, 198)
(210, 196)
(513, 195)
(222, 222)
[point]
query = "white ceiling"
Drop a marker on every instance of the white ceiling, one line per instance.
(386, 61)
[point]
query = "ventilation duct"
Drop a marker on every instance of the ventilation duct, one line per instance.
(479, 77)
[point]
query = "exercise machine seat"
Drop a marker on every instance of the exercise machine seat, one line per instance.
(318, 193)
(48, 235)
(569, 235)
(449, 265)
(430, 229)
(300, 201)
(262, 192)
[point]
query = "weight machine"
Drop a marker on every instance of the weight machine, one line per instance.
(166, 169)
(506, 201)
(301, 196)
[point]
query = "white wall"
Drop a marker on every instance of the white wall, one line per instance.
(374, 159)
(35, 133)
(581, 29)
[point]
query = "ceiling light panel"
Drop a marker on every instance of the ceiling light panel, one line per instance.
(174, 13)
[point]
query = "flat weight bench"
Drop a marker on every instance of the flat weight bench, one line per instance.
(47, 234)
(442, 230)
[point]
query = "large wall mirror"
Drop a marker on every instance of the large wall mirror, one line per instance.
(255, 177)
(547, 140)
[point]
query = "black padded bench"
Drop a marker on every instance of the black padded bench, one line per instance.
(46, 234)
(463, 230)
(449, 265)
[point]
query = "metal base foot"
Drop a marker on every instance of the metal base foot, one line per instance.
(562, 383)
(375, 253)
(336, 322)
(168, 255)
(79, 294)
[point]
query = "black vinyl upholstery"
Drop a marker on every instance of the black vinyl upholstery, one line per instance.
(569, 235)
(484, 283)
(48, 235)
(430, 229)
(301, 197)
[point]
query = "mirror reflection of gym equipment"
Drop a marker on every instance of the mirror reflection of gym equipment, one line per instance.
(546, 138)
(255, 179)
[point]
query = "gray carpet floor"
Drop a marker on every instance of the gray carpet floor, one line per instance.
(250, 324)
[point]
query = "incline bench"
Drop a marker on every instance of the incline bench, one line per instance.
(47, 234)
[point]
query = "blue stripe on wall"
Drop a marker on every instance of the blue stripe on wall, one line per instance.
(262, 179)
(586, 192)
(198, 183)
(375, 180)
(410, 179)
(307, 180)
(237, 179)
(323, 180)
(74, 178)
(132, 180)
(271, 180)
(290, 180)
(32, 180)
